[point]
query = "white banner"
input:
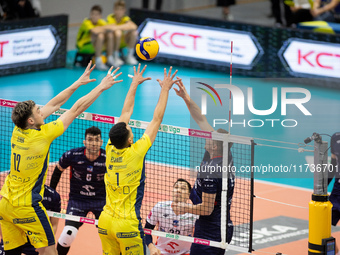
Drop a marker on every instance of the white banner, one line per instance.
(312, 57)
(202, 42)
(25, 45)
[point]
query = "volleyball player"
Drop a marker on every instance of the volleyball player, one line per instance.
(51, 202)
(167, 221)
(119, 225)
(334, 198)
(206, 193)
(87, 187)
(21, 211)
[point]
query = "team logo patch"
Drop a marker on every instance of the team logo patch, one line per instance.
(175, 223)
(126, 234)
(24, 220)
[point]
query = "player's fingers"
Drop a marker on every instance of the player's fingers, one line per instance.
(177, 91)
(92, 68)
(92, 80)
(164, 72)
(172, 77)
(176, 81)
(88, 65)
(110, 70)
(170, 69)
(147, 79)
(143, 69)
(134, 70)
(117, 81)
(138, 68)
(115, 70)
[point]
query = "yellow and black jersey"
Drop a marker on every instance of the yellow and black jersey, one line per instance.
(125, 179)
(24, 186)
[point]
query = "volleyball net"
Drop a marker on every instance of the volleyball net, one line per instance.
(177, 153)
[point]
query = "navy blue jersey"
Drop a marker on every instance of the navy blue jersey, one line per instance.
(213, 186)
(51, 200)
(335, 149)
(87, 178)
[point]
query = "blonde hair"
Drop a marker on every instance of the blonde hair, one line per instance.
(21, 112)
(119, 3)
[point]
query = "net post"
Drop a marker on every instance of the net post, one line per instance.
(224, 195)
(251, 225)
(320, 208)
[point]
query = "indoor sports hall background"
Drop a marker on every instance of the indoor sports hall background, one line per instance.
(281, 202)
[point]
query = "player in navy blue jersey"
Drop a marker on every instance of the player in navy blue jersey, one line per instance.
(51, 202)
(334, 173)
(87, 188)
(206, 194)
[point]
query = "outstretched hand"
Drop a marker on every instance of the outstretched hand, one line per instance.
(138, 75)
(110, 79)
(181, 91)
(85, 77)
(168, 81)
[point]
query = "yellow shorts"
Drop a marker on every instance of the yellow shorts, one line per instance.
(18, 223)
(118, 235)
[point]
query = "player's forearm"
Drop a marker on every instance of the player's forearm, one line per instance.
(161, 105)
(199, 209)
(329, 7)
(127, 26)
(130, 101)
(84, 102)
(64, 95)
(195, 111)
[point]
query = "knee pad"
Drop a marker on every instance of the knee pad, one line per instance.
(67, 236)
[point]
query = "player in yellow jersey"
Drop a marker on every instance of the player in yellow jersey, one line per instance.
(119, 225)
(92, 36)
(22, 214)
(123, 34)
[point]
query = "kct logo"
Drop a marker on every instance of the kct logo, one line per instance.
(238, 104)
(311, 57)
(176, 38)
(2, 48)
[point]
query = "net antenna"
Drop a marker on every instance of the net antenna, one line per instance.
(231, 78)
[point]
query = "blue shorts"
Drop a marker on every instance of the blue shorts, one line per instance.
(212, 232)
(335, 200)
(82, 208)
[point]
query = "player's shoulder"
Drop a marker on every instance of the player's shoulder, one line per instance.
(76, 151)
(336, 135)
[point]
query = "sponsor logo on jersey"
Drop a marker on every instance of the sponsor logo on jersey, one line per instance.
(20, 147)
(24, 220)
(98, 164)
(102, 231)
(34, 157)
(20, 139)
(132, 247)
(126, 234)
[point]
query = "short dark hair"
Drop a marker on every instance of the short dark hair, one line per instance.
(183, 180)
(93, 131)
(21, 112)
(119, 135)
(97, 8)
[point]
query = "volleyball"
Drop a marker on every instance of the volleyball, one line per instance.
(147, 48)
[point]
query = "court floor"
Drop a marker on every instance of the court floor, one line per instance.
(323, 106)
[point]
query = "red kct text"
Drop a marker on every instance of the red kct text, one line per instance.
(2, 48)
(169, 39)
(321, 59)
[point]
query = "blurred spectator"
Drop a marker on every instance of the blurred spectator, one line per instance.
(37, 7)
(92, 35)
(158, 4)
(8, 8)
(276, 6)
(24, 9)
(225, 4)
(123, 34)
(324, 10)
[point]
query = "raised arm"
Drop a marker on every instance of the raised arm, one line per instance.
(55, 103)
(84, 102)
(130, 97)
(166, 85)
(195, 111)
